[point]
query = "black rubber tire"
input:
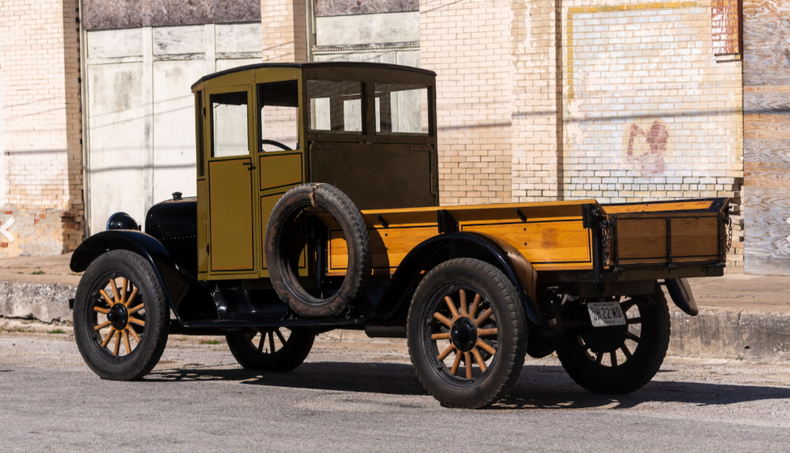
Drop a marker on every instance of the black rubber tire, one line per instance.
(635, 371)
(145, 355)
(295, 350)
(504, 365)
(282, 275)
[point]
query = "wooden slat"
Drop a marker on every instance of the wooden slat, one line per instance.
(765, 89)
(767, 249)
(765, 28)
(775, 127)
(644, 261)
(767, 152)
(555, 207)
(773, 101)
(472, 213)
(659, 207)
(759, 175)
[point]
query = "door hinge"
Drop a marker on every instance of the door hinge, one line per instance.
(207, 249)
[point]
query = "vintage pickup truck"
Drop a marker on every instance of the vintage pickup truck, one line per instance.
(317, 208)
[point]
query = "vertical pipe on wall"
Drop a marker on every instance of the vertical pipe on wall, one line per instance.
(560, 108)
(84, 139)
(310, 24)
(211, 48)
(148, 115)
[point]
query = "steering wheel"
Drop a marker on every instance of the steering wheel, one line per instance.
(275, 143)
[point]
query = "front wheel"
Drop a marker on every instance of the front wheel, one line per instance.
(619, 359)
(120, 316)
(273, 349)
(466, 333)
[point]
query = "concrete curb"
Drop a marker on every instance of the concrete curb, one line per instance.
(716, 332)
(731, 333)
(44, 302)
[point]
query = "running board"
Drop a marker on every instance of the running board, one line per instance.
(236, 324)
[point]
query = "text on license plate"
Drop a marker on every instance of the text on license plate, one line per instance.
(604, 314)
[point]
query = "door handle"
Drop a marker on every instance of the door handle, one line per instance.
(249, 164)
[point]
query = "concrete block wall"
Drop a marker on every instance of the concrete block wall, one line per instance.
(468, 45)
(41, 127)
(140, 109)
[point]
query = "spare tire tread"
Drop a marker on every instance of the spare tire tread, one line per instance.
(282, 277)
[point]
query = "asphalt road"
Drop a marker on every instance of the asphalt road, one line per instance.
(365, 398)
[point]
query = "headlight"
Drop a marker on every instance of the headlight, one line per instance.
(121, 221)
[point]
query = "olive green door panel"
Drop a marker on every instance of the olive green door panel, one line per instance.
(280, 170)
(202, 230)
(377, 176)
(267, 205)
(232, 242)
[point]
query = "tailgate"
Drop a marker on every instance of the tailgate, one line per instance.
(666, 234)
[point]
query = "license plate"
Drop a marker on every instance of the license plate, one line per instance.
(603, 314)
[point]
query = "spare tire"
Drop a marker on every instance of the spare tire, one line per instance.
(281, 273)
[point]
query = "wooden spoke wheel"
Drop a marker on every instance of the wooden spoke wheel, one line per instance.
(466, 333)
(271, 349)
(619, 359)
(120, 316)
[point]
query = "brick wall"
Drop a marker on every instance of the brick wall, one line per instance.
(537, 104)
(468, 45)
(284, 30)
(621, 101)
(39, 60)
(650, 114)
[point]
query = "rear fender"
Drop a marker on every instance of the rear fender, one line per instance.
(680, 292)
(179, 285)
(461, 245)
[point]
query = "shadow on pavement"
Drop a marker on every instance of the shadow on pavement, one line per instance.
(539, 387)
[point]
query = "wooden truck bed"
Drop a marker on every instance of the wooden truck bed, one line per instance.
(555, 236)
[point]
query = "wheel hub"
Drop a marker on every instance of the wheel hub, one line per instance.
(464, 334)
(118, 316)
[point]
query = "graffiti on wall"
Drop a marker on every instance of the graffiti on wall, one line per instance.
(646, 146)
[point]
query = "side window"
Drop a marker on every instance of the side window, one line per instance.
(335, 106)
(401, 109)
(279, 125)
(229, 124)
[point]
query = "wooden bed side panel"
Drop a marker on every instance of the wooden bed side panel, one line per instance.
(549, 245)
(389, 246)
(641, 238)
(695, 237)
(644, 240)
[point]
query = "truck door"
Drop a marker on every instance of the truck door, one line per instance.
(232, 243)
(280, 152)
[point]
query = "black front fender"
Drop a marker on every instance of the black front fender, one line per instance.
(461, 245)
(177, 284)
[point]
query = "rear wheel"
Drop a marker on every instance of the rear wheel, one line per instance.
(275, 349)
(619, 359)
(466, 333)
(120, 316)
